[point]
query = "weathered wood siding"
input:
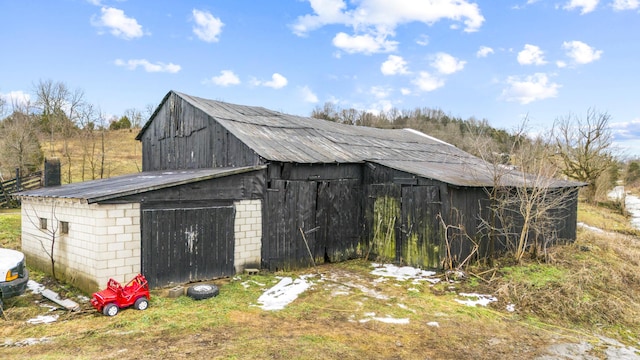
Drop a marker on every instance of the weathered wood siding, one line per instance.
(187, 244)
(187, 231)
(394, 197)
(182, 136)
(402, 224)
(323, 202)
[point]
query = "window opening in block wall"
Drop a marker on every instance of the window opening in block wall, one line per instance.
(64, 227)
(43, 223)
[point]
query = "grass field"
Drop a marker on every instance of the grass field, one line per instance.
(123, 155)
(588, 290)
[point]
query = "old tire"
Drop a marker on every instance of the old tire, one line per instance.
(202, 291)
(141, 304)
(110, 310)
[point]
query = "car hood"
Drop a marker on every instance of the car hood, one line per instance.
(8, 260)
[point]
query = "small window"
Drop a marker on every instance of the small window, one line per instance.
(64, 227)
(43, 223)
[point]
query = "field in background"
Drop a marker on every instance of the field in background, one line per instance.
(123, 155)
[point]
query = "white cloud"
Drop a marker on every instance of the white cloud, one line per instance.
(380, 92)
(148, 66)
(374, 21)
(580, 52)
(394, 65)
(530, 88)
(308, 95)
(405, 91)
(120, 25)
(428, 82)
(621, 5)
(207, 27)
(561, 64)
(423, 40)
(277, 82)
(587, 6)
(16, 98)
(629, 130)
(226, 78)
(531, 55)
(366, 44)
(447, 64)
(484, 51)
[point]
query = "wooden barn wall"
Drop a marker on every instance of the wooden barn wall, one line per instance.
(401, 221)
(467, 207)
(246, 186)
(460, 208)
(182, 136)
(187, 244)
(312, 214)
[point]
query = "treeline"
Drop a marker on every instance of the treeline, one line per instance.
(59, 123)
(578, 148)
(465, 134)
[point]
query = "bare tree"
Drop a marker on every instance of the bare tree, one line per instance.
(527, 200)
(540, 201)
(60, 109)
(135, 116)
(48, 233)
(19, 146)
(3, 104)
(584, 148)
(51, 98)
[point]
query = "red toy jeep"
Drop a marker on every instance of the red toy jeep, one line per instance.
(115, 297)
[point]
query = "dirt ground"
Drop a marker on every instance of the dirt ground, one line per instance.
(331, 320)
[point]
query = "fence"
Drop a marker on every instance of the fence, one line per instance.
(22, 183)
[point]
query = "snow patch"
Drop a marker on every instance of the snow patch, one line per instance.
(43, 319)
(404, 273)
(474, 299)
(284, 292)
(386, 320)
(591, 228)
(35, 286)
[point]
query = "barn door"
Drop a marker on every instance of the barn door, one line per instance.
(402, 224)
(182, 245)
(338, 221)
(421, 234)
(289, 207)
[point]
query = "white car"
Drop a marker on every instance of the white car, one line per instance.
(13, 274)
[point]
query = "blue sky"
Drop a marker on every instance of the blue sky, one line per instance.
(497, 60)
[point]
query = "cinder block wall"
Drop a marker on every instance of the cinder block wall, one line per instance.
(248, 234)
(103, 241)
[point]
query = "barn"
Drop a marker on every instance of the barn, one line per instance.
(225, 187)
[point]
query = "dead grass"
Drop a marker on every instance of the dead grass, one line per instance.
(123, 155)
(328, 321)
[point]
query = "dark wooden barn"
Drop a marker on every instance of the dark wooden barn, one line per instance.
(334, 190)
(226, 186)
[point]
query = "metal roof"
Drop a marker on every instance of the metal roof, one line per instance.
(132, 184)
(282, 137)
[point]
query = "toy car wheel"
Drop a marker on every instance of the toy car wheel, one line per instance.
(202, 291)
(110, 310)
(141, 304)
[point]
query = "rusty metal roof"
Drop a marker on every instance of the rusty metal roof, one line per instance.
(276, 136)
(132, 184)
